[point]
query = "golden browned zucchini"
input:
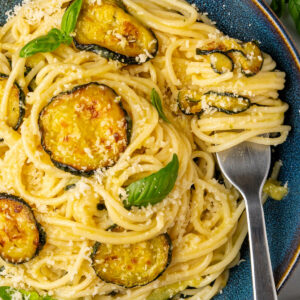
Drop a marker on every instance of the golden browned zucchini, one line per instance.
(84, 129)
(111, 32)
(249, 56)
(132, 265)
(246, 55)
(21, 237)
(220, 62)
(192, 102)
(16, 103)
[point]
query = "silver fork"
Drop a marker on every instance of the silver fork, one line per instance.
(246, 166)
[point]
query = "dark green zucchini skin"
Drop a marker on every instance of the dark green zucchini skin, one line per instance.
(21, 104)
(207, 52)
(228, 52)
(226, 94)
(262, 62)
(242, 70)
(97, 244)
(42, 233)
(228, 112)
(109, 54)
(68, 168)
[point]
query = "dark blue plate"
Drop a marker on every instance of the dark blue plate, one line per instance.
(248, 20)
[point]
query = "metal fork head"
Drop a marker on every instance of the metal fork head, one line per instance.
(246, 166)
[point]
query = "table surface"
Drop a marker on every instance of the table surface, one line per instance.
(291, 289)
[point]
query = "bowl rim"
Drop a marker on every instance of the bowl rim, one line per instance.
(263, 6)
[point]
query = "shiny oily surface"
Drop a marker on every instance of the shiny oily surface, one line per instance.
(85, 128)
(109, 26)
(19, 235)
(13, 103)
(134, 264)
(246, 20)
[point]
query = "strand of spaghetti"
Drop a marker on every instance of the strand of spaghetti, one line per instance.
(63, 280)
(168, 60)
(106, 236)
(222, 137)
(177, 5)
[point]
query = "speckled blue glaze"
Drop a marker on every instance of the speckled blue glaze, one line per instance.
(248, 20)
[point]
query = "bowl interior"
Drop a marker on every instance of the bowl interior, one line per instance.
(245, 20)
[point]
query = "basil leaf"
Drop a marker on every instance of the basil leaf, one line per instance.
(278, 6)
(294, 9)
(156, 102)
(45, 43)
(8, 293)
(70, 17)
(154, 188)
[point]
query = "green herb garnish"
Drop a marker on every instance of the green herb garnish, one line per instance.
(156, 102)
(9, 293)
(45, 43)
(52, 40)
(154, 188)
(70, 17)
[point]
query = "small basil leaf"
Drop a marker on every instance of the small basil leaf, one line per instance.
(294, 9)
(278, 6)
(154, 188)
(8, 293)
(156, 102)
(70, 17)
(45, 43)
(67, 39)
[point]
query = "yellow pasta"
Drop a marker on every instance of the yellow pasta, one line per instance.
(204, 218)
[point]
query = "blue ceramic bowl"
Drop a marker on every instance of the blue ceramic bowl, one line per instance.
(248, 20)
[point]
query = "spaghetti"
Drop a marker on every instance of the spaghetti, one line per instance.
(204, 217)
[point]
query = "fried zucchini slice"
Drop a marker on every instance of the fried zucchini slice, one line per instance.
(16, 103)
(109, 31)
(247, 55)
(193, 103)
(189, 102)
(220, 62)
(132, 265)
(21, 236)
(252, 59)
(84, 129)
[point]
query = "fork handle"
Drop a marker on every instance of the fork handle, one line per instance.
(262, 275)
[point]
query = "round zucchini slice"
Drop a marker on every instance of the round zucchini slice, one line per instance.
(132, 265)
(21, 236)
(84, 129)
(16, 103)
(193, 103)
(108, 30)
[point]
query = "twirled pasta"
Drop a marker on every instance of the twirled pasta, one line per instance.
(204, 218)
